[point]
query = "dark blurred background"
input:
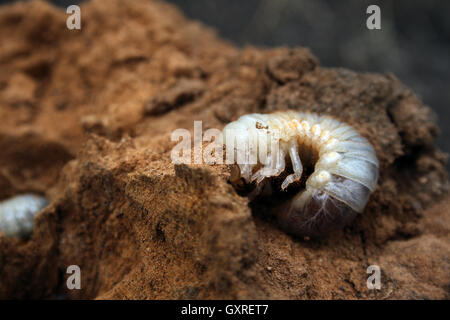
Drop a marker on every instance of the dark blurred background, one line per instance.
(413, 43)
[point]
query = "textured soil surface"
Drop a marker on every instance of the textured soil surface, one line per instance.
(87, 118)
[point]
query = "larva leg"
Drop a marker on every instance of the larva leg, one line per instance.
(269, 170)
(296, 165)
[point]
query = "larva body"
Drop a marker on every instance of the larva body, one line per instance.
(345, 166)
(17, 214)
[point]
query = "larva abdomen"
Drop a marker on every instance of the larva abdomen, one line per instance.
(353, 194)
(345, 166)
(320, 215)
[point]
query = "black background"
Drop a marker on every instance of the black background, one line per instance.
(413, 44)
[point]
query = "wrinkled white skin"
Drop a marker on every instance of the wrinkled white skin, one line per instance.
(17, 214)
(346, 169)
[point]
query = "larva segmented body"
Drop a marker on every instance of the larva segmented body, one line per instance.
(17, 214)
(345, 166)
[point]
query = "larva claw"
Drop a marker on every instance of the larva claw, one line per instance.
(263, 173)
(258, 176)
(269, 171)
(290, 179)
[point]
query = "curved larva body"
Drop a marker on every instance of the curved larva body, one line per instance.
(345, 166)
(17, 214)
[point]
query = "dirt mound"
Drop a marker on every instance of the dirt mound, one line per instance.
(87, 121)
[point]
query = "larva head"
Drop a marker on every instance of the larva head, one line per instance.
(241, 129)
(244, 140)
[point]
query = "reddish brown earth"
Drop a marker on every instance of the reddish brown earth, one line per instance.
(86, 121)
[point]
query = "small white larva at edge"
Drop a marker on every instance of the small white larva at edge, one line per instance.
(345, 167)
(17, 214)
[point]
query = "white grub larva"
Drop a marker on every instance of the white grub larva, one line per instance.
(343, 163)
(17, 214)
